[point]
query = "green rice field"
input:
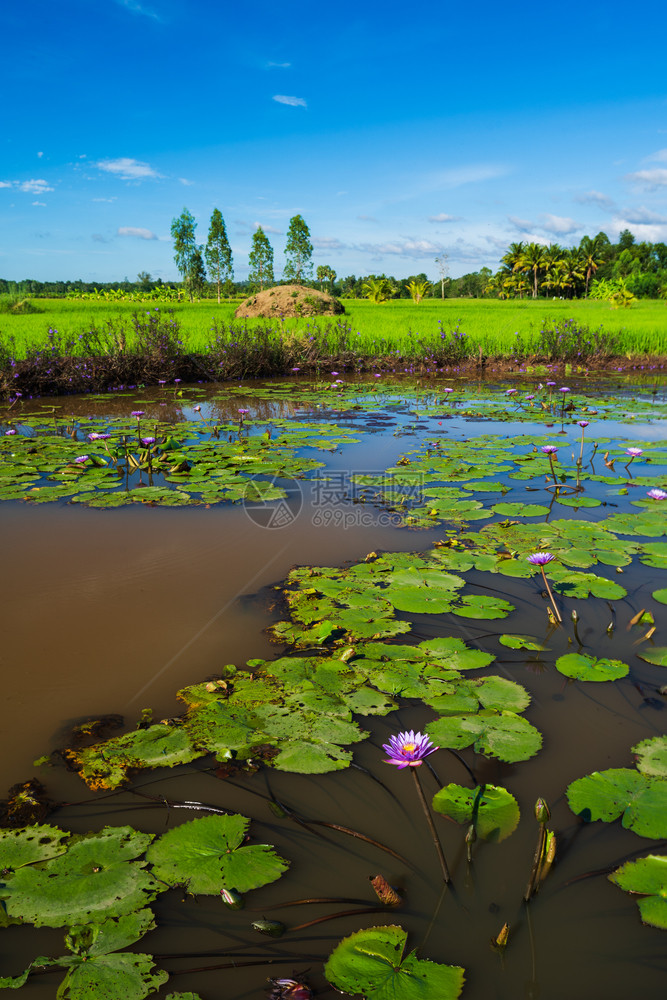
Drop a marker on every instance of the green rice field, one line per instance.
(489, 324)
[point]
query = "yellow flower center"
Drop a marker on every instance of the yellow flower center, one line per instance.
(409, 747)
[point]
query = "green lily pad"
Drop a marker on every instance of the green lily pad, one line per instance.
(588, 668)
(660, 595)
(656, 654)
(30, 844)
(647, 877)
(207, 855)
(638, 799)
(96, 878)
(504, 735)
(652, 756)
(521, 642)
(493, 810)
(371, 962)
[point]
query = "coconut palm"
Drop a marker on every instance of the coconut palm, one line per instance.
(591, 258)
(534, 259)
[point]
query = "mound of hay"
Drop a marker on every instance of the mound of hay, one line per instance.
(289, 301)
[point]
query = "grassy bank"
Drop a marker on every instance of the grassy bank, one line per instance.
(75, 346)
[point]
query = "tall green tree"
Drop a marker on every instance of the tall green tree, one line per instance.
(261, 259)
(183, 233)
(326, 273)
(196, 277)
(298, 251)
(218, 252)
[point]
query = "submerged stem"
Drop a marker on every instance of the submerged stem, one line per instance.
(431, 825)
(551, 596)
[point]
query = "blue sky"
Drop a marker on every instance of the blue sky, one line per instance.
(399, 134)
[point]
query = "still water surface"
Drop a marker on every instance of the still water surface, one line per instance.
(111, 611)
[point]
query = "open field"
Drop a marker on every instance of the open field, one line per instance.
(489, 324)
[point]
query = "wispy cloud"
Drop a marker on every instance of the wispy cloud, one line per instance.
(443, 217)
(276, 65)
(105, 199)
(413, 249)
(33, 186)
(651, 232)
(293, 102)
(269, 229)
(41, 204)
(40, 155)
(651, 179)
(660, 155)
(642, 216)
(127, 169)
(470, 174)
(594, 198)
(524, 225)
(328, 243)
(559, 225)
(368, 218)
(185, 181)
(5, 184)
(137, 8)
(140, 234)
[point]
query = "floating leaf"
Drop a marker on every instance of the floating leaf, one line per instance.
(206, 855)
(106, 765)
(588, 668)
(639, 799)
(660, 595)
(655, 654)
(493, 810)
(95, 879)
(647, 876)
(496, 734)
(371, 962)
(652, 756)
(520, 642)
(30, 844)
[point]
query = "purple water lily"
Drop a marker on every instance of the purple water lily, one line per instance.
(138, 413)
(148, 441)
(10, 432)
(549, 449)
(583, 423)
(634, 452)
(80, 459)
(657, 494)
(408, 749)
(541, 558)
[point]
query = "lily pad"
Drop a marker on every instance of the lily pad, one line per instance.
(504, 735)
(638, 799)
(371, 962)
(655, 654)
(652, 756)
(648, 877)
(30, 844)
(207, 855)
(493, 810)
(588, 668)
(521, 642)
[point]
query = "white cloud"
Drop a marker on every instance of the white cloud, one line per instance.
(443, 217)
(650, 179)
(33, 186)
(327, 243)
(127, 169)
(275, 65)
(269, 229)
(594, 198)
(660, 155)
(367, 218)
(41, 204)
(40, 155)
(5, 184)
(414, 249)
(294, 102)
(652, 233)
(522, 224)
(105, 199)
(642, 216)
(559, 225)
(141, 234)
(137, 8)
(185, 181)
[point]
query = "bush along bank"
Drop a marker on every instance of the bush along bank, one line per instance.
(151, 350)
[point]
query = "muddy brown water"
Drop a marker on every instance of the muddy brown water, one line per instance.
(114, 610)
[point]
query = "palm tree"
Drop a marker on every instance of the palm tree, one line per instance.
(534, 258)
(591, 257)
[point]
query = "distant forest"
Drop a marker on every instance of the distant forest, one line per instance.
(596, 268)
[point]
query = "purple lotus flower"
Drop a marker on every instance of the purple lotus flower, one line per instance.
(551, 383)
(549, 449)
(138, 413)
(657, 494)
(334, 373)
(197, 409)
(634, 452)
(296, 369)
(564, 389)
(541, 558)
(9, 432)
(80, 459)
(583, 423)
(408, 749)
(510, 392)
(147, 441)
(447, 389)
(244, 411)
(530, 397)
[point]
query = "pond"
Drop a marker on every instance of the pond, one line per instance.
(363, 547)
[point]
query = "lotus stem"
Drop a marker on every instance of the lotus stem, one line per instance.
(551, 596)
(431, 825)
